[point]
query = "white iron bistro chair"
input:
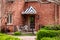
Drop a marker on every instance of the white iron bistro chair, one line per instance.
(26, 28)
(18, 29)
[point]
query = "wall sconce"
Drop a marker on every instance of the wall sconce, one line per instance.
(0, 17)
(38, 16)
(6, 16)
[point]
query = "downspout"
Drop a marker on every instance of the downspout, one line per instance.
(1, 14)
(57, 14)
(56, 11)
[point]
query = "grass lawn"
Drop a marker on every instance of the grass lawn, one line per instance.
(29, 34)
(24, 34)
(7, 37)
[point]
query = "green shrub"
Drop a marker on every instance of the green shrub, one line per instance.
(7, 37)
(47, 33)
(49, 27)
(52, 27)
(17, 33)
(48, 38)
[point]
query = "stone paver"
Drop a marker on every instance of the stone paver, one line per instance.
(27, 37)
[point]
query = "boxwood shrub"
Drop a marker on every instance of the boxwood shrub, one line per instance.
(52, 27)
(48, 38)
(47, 33)
(17, 33)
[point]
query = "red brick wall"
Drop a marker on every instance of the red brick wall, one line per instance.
(46, 12)
(59, 15)
(16, 9)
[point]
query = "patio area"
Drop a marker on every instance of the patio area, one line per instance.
(27, 37)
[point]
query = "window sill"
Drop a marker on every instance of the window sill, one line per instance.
(44, 2)
(9, 24)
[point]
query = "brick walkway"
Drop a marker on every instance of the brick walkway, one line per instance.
(27, 37)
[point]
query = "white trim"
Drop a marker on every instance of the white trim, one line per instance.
(54, 0)
(9, 24)
(51, 0)
(47, 1)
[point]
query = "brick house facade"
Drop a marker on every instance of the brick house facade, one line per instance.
(31, 13)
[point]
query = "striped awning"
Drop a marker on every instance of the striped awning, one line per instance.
(29, 10)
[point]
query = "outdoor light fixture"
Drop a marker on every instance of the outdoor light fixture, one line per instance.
(0, 17)
(5, 16)
(37, 16)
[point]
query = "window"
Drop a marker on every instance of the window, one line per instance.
(31, 0)
(44, 1)
(9, 19)
(9, 1)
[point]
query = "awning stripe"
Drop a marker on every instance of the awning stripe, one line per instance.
(29, 10)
